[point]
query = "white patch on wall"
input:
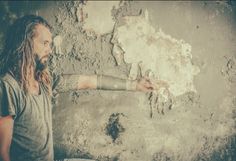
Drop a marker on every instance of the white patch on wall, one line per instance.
(97, 17)
(57, 41)
(155, 53)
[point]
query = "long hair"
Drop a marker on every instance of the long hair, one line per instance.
(17, 56)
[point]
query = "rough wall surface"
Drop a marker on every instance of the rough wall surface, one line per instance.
(91, 38)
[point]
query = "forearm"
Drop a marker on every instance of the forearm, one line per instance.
(4, 156)
(103, 82)
(113, 83)
(87, 82)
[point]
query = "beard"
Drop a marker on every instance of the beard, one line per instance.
(40, 64)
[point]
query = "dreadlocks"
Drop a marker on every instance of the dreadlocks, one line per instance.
(18, 57)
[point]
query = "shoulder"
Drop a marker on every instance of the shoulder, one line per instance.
(8, 81)
(11, 96)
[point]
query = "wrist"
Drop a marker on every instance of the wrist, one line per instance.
(131, 85)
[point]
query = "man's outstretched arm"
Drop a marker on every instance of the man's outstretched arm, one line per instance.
(102, 82)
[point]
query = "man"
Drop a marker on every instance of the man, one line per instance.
(26, 89)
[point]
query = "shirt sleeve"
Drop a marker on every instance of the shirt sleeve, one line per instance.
(8, 101)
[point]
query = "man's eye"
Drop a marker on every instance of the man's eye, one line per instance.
(47, 44)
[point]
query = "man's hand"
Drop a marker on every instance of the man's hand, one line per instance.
(144, 84)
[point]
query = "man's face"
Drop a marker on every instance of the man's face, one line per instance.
(42, 46)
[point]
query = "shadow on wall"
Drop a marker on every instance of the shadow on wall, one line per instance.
(11, 10)
(226, 153)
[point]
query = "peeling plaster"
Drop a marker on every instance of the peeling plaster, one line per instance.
(101, 21)
(167, 58)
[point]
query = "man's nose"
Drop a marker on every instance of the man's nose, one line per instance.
(49, 50)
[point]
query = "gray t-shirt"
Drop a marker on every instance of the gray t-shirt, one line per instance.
(32, 132)
(32, 114)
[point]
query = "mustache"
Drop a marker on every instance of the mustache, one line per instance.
(38, 60)
(39, 65)
(45, 56)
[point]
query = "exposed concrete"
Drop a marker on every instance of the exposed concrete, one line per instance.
(100, 21)
(106, 125)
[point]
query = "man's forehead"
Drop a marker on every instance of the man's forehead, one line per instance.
(43, 32)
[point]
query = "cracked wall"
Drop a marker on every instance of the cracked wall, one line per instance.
(113, 38)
